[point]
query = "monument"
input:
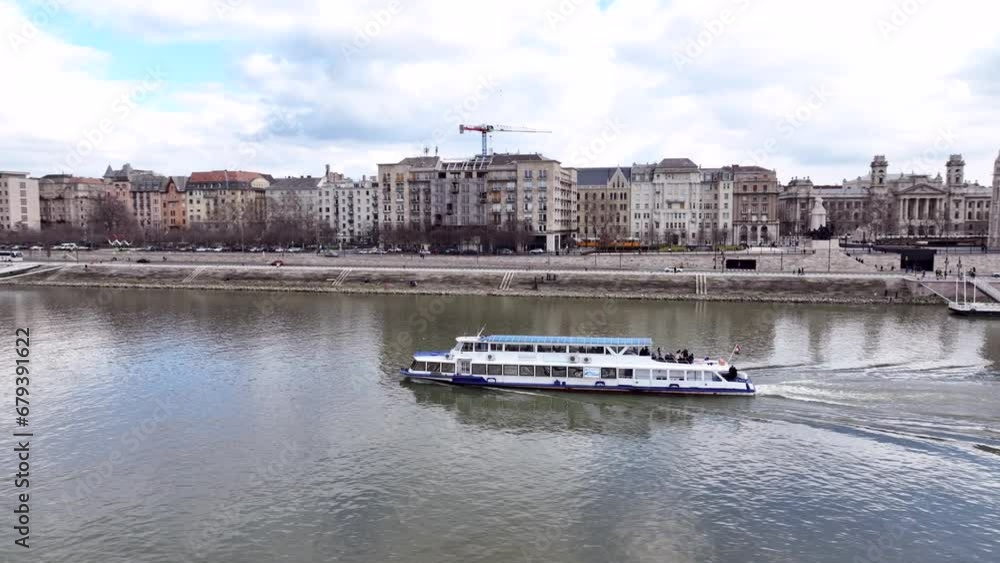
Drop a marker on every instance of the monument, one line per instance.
(817, 219)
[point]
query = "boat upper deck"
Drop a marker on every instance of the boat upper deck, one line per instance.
(559, 340)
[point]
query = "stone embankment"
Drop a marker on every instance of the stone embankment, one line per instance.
(624, 284)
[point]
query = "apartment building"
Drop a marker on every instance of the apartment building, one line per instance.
(712, 207)
(19, 202)
(662, 196)
(222, 199)
(755, 204)
(604, 203)
(68, 200)
(517, 192)
(174, 204)
(356, 209)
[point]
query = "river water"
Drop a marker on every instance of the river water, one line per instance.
(237, 427)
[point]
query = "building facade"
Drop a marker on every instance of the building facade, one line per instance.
(713, 206)
(19, 202)
(755, 203)
(525, 193)
(885, 204)
(356, 209)
(68, 200)
(174, 204)
(604, 204)
(223, 199)
(662, 198)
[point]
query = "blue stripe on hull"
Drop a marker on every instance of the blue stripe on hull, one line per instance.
(478, 381)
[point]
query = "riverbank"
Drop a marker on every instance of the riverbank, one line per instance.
(685, 286)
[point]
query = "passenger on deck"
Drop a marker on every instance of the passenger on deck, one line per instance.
(644, 351)
(733, 374)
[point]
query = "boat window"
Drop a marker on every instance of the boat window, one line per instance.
(467, 347)
(716, 377)
(494, 369)
(676, 375)
(660, 374)
(642, 374)
(595, 350)
(482, 347)
(529, 348)
(496, 347)
(576, 349)
(417, 366)
(608, 373)
(543, 371)
(447, 368)
(630, 350)
(433, 367)
(694, 376)
(510, 370)
(545, 349)
(624, 374)
(558, 371)
(527, 371)
(575, 371)
(478, 369)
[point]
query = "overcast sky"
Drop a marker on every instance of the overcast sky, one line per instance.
(286, 86)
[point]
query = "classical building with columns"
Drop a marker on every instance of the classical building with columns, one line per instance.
(894, 204)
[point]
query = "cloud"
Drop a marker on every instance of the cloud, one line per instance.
(357, 83)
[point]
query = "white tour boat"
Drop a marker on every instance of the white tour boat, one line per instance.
(567, 363)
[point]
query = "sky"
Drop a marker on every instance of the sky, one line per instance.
(284, 87)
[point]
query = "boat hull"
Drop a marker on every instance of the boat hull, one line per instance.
(584, 386)
(970, 310)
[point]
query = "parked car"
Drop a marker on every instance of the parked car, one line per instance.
(331, 254)
(537, 251)
(672, 270)
(424, 253)
(36, 247)
(142, 261)
(277, 263)
(66, 246)
(201, 249)
(295, 250)
(505, 252)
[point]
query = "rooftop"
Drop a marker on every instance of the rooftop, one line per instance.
(599, 176)
(300, 183)
(223, 176)
(568, 340)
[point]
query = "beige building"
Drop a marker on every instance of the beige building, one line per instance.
(755, 205)
(68, 200)
(604, 204)
(886, 204)
(662, 198)
(527, 193)
(19, 202)
(223, 199)
(712, 207)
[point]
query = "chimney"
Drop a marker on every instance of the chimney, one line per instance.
(327, 170)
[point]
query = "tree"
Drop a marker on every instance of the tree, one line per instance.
(110, 218)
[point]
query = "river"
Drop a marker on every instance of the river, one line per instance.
(242, 427)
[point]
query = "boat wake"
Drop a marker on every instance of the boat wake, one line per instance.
(797, 391)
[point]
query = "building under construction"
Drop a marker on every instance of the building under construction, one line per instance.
(526, 192)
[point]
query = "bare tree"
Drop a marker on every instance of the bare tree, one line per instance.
(110, 218)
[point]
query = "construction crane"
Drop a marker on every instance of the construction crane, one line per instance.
(487, 129)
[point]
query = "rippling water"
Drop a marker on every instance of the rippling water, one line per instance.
(226, 427)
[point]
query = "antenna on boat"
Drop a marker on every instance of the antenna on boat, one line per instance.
(480, 335)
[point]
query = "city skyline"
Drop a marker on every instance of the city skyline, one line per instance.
(175, 89)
